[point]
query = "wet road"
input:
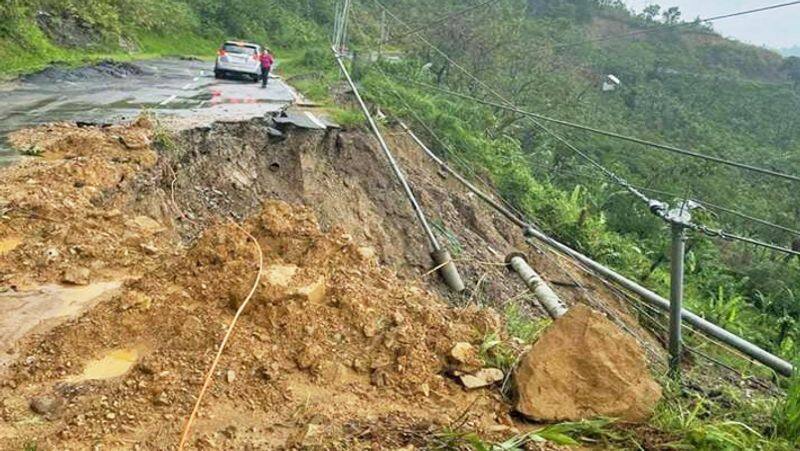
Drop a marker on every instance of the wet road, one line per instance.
(171, 87)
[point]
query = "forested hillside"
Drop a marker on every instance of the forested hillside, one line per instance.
(683, 85)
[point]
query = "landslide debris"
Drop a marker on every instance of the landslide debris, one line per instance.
(63, 213)
(331, 339)
(343, 344)
(583, 367)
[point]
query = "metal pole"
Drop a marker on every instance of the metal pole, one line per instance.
(745, 347)
(548, 299)
(440, 255)
(676, 298)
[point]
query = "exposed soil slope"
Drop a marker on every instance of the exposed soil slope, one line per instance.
(348, 341)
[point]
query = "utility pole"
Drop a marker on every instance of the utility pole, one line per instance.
(678, 218)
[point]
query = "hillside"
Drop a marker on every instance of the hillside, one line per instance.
(679, 84)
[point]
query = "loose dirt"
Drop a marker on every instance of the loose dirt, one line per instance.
(347, 343)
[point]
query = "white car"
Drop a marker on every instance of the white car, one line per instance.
(238, 58)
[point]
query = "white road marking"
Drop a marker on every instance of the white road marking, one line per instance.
(186, 86)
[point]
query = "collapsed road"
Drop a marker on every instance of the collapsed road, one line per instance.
(111, 92)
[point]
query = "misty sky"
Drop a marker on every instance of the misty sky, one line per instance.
(777, 28)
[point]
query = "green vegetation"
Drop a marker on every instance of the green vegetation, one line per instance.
(592, 432)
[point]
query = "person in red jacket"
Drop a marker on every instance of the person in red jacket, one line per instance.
(266, 65)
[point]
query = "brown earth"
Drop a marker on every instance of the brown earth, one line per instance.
(347, 343)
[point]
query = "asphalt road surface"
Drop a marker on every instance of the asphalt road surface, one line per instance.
(173, 87)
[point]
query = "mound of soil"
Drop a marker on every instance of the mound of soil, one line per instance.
(583, 367)
(56, 210)
(363, 348)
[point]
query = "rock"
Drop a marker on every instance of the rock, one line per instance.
(45, 405)
(582, 367)
(162, 399)
(280, 275)
(146, 224)
(300, 438)
(465, 357)
(149, 249)
(77, 276)
(230, 376)
(111, 416)
(366, 253)
(314, 292)
(481, 378)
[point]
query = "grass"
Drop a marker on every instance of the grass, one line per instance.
(591, 432)
(786, 414)
(36, 52)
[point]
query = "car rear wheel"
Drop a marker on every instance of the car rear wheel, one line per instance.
(218, 74)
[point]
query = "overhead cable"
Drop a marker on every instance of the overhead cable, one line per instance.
(726, 210)
(620, 136)
(652, 204)
(439, 20)
(656, 207)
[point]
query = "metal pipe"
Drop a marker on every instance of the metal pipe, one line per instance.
(395, 167)
(544, 294)
(772, 361)
(440, 255)
(676, 298)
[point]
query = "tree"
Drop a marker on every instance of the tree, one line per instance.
(651, 12)
(672, 15)
(791, 66)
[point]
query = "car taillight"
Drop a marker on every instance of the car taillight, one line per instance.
(221, 52)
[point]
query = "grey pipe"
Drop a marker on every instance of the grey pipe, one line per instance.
(772, 361)
(544, 294)
(446, 266)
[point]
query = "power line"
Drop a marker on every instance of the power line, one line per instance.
(656, 207)
(705, 204)
(442, 19)
(615, 135)
(727, 210)
(672, 26)
(652, 204)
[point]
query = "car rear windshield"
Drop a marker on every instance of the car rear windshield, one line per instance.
(235, 48)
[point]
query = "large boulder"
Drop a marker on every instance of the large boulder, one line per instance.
(584, 366)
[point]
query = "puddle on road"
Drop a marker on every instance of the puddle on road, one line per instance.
(114, 364)
(43, 308)
(9, 244)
